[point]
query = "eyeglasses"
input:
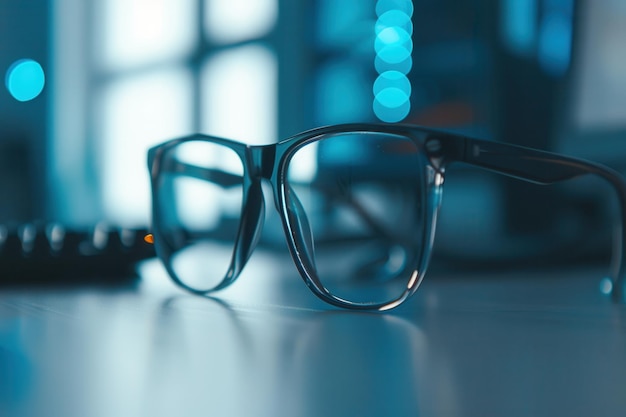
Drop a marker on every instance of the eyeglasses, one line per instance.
(358, 205)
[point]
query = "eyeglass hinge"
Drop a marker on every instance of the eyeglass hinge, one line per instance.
(434, 150)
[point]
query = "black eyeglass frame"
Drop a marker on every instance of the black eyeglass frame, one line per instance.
(439, 149)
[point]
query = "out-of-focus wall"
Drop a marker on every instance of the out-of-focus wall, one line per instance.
(24, 34)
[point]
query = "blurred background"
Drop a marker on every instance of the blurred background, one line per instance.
(89, 86)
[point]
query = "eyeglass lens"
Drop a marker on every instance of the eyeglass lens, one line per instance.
(362, 195)
(199, 213)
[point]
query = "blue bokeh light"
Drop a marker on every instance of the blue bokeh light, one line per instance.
(392, 79)
(392, 97)
(393, 46)
(555, 44)
(403, 66)
(394, 18)
(519, 25)
(405, 6)
(391, 114)
(25, 79)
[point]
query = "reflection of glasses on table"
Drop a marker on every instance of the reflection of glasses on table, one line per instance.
(358, 204)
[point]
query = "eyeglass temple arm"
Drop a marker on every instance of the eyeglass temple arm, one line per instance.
(535, 165)
(543, 167)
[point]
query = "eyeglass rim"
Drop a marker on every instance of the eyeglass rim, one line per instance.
(443, 148)
(283, 153)
(298, 252)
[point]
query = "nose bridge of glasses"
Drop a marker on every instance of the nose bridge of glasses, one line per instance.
(262, 160)
(262, 165)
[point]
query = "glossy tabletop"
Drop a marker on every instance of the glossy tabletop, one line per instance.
(497, 344)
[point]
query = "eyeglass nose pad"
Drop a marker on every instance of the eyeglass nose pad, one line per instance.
(303, 235)
(249, 233)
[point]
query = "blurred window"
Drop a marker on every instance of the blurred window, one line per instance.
(135, 73)
(344, 48)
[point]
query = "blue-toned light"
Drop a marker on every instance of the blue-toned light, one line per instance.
(518, 25)
(403, 66)
(606, 286)
(391, 114)
(25, 79)
(555, 43)
(393, 46)
(392, 36)
(394, 18)
(392, 79)
(395, 54)
(392, 97)
(405, 6)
